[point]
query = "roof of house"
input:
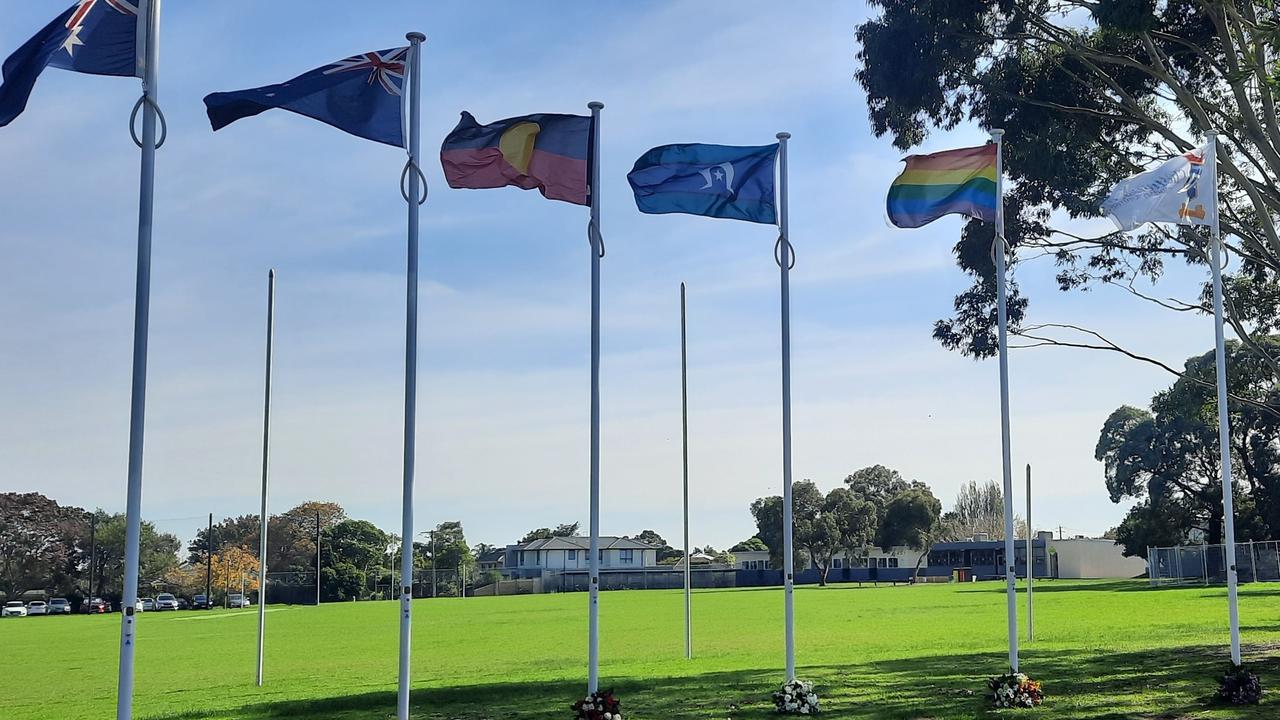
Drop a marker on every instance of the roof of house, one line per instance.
(582, 543)
(496, 555)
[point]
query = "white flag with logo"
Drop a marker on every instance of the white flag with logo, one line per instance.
(1179, 191)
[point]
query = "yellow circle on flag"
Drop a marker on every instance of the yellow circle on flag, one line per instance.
(516, 145)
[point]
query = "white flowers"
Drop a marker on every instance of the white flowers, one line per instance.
(796, 698)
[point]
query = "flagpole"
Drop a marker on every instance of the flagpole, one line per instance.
(410, 376)
(593, 611)
(266, 460)
(1002, 316)
(784, 261)
(1224, 428)
(138, 395)
(1031, 562)
(684, 430)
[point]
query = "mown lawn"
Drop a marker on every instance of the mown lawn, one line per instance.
(1104, 650)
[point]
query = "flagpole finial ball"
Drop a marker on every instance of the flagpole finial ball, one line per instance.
(415, 36)
(783, 136)
(997, 132)
(595, 105)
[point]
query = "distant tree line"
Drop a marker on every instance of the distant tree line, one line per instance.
(874, 507)
(70, 552)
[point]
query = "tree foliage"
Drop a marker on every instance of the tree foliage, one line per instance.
(1089, 92)
(1167, 458)
(34, 535)
(562, 530)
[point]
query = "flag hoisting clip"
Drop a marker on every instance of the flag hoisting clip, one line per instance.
(404, 193)
(999, 239)
(593, 235)
(133, 119)
(791, 252)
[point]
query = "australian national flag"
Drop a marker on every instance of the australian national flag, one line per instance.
(721, 181)
(362, 95)
(101, 37)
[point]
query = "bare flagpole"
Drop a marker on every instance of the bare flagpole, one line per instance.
(266, 463)
(1224, 428)
(597, 250)
(784, 261)
(1031, 561)
(1002, 316)
(410, 374)
(684, 430)
(149, 17)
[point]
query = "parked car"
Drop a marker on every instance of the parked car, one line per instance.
(166, 601)
(59, 606)
(201, 602)
(183, 604)
(14, 608)
(148, 604)
(236, 600)
(95, 606)
(37, 607)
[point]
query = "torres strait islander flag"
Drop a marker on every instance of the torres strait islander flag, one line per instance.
(544, 151)
(953, 181)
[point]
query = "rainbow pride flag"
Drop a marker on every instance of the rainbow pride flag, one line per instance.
(953, 181)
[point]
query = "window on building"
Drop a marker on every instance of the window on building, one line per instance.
(626, 556)
(521, 557)
(893, 562)
(573, 555)
(837, 563)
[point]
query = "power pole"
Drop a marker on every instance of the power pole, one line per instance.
(433, 562)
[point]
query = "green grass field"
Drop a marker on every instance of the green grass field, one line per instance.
(1103, 649)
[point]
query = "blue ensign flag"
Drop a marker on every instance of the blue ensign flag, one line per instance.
(101, 37)
(723, 181)
(362, 95)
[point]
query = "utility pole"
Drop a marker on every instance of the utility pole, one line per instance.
(433, 563)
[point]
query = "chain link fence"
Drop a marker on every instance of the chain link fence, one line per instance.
(1206, 564)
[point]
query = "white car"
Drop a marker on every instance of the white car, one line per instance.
(166, 601)
(14, 608)
(148, 604)
(59, 606)
(37, 607)
(236, 600)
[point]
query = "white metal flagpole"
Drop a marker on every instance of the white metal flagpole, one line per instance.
(1224, 429)
(784, 261)
(998, 250)
(266, 462)
(597, 250)
(149, 15)
(684, 430)
(1031, 560)
(410, 375)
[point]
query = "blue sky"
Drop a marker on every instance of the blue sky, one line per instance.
(505, 281)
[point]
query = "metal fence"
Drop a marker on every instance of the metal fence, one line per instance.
(1206, 564)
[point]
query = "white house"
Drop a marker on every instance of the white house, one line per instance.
(558, 554)
(899, 556)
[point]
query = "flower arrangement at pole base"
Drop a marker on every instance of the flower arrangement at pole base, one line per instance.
(796, 697)
(603, 705)
(1015, 690)
(1240, 687)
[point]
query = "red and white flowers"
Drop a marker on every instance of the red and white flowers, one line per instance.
(603, 705)
(1015, 690)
